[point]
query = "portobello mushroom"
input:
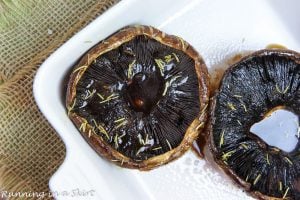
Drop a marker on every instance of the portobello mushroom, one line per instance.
(139, 98)
(249, 91)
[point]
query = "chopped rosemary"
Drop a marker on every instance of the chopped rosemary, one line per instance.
(146, 140)
(90, 133)
(80, 68)
(237, 96)
(247, 178)
(239, 122)
(111, 97)
(71, 108)
(120, 137)
(182, 42)
(141, 140)
(267, 158)
(83, 126)
(280, 91)
(257, 179)
(101, 128)
(286, 192)
(116, 141)
(170, 147)
(277, 89)
(140, 150)
(168, 58)
(231, 106)
(160, 63)
(104, 101)
(286, 89)
(119, 120)
(129, 52)
(244, 145)
(90, 94)
(157, 148)
(130, 69)
(121, 124)
(245, 108)
(222, 139)
(167, 84)
(227, 155)
(280, 186)
(176, 57)
(288, 160)
(99, 95)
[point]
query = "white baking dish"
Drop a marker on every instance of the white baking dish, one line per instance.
(217, 29)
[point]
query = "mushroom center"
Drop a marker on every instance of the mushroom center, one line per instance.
(144, 91)
(279, 128)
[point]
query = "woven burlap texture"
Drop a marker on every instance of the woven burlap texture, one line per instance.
(29, 32)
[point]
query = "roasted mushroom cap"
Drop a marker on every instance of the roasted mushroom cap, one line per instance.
(139, 97)
(250, 89)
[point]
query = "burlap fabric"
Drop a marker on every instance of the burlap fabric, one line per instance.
(30, 30)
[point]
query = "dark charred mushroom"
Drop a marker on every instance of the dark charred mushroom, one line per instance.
(139, 97)
(251, 88)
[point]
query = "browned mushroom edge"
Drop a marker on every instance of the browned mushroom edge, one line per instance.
(122, 36)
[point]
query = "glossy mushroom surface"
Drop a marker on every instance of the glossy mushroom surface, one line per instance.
(139, 97)
(249, 90)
